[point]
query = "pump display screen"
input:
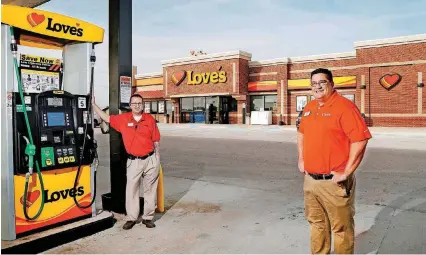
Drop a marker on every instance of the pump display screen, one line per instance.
(55, 101)
(55, 119)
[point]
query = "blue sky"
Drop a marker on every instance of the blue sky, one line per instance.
(268, 29)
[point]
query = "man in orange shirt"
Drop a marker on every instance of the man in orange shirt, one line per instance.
(141, 139)
(331, 141)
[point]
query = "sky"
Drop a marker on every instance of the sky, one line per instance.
(267, 29)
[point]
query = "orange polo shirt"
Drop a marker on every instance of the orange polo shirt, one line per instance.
(328, 131)
(138, 136)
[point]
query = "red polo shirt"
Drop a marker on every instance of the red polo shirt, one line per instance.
(328, 132)
(138, 136)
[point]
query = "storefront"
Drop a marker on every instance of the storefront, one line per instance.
(383, 77)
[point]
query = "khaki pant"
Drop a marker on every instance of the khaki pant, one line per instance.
(329, 209)
(147, 170)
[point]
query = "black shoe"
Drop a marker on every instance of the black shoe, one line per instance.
(148, 223)
(129, 224)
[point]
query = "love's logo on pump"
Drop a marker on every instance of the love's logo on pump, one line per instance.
(64, 28)
(35, 19)
(32, 196)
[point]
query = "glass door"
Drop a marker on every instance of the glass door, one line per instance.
(224, 110)
(212, 105)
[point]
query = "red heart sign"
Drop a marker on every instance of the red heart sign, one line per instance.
(78, 24)
(31, 197)
(178, 77)
(35, 19)
(389, 81)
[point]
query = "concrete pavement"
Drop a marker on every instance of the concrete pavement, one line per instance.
(237, 190)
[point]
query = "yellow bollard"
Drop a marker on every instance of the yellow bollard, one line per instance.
(160, 192)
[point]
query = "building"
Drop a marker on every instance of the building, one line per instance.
(383, 77)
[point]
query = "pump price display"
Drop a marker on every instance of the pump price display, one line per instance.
(54, 101)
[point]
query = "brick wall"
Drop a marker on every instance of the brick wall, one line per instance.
(400, 99)
(387, 54)
(314, 65)
(243, 76)
(382, 107)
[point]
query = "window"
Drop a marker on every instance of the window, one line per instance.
(187, 104)
(199, 103)
(233, 105)
(169, 105)
(256, 103)
(147, 107)
(271, 103)
(154, 107)
(161, 107)
(265, 103)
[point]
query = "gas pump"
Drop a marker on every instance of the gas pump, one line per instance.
(49, 156)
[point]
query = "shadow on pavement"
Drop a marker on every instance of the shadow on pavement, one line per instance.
(398, 228)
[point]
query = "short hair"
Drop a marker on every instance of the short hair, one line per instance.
(136, 95)
(324, 71)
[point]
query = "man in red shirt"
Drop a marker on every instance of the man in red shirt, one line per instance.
(332, 140)
(141, 139)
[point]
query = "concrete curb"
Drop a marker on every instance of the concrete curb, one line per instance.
(389, 131)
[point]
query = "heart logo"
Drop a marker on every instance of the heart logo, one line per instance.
(35, 19)
(178, 77)
(31, 198)
(389, 81)
(78, 24)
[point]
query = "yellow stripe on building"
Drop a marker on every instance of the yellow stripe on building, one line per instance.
(342, 81)
(150, 81)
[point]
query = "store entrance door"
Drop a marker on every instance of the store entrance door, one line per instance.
(212, 105)
(224, 110)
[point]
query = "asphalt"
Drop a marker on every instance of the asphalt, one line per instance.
(236, 189)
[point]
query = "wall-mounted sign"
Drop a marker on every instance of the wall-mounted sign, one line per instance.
(178, 77)
(390, 80)
(125, 89)
(199, 78)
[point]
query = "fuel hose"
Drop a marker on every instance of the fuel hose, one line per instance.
(92, 61)
(30, 148)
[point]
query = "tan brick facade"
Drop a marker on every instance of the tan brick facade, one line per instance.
(403, 105)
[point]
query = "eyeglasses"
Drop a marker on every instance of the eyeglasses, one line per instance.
(319, 84)
(139, 104)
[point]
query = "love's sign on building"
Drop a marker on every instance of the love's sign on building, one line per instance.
(390, 80)
(199, 78)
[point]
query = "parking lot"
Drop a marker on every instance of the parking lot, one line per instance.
(236, 189)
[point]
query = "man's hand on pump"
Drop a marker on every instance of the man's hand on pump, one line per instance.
(104, 116)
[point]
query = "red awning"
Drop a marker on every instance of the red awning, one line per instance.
(152, 94)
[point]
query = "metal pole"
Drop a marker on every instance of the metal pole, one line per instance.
(120, 64)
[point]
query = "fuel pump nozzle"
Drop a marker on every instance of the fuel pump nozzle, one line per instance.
(30, 150)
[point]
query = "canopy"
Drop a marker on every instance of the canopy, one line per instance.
(43, 29)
